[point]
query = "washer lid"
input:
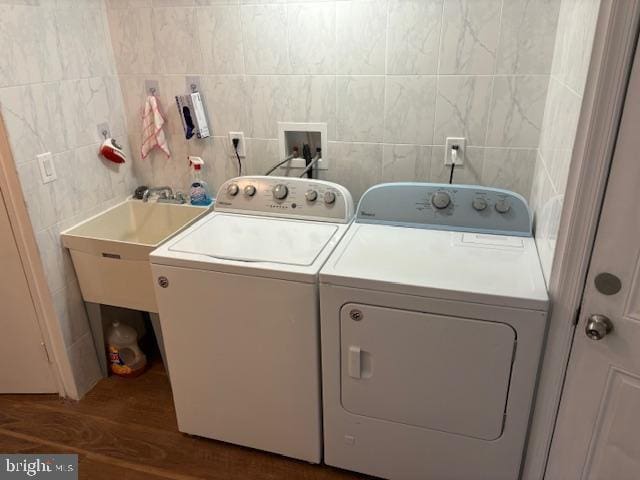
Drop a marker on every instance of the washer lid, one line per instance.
(254, 239)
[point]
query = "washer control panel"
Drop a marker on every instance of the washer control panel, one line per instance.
(446, 207)
(303, 198)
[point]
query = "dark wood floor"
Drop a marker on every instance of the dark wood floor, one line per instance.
(126, 429)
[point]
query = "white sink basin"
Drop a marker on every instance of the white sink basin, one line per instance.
(110, 251)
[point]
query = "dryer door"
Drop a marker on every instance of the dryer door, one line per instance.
(443, 373)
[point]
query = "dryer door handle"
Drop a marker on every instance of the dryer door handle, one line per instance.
(354, 362)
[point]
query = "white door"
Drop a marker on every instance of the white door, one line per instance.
(24, 367)
(598, 431)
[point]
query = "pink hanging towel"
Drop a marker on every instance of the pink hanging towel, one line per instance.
(152, 128)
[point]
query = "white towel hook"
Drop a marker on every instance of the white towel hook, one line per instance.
(151, 87)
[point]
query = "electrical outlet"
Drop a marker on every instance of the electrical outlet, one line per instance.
(242, 151)
(47, 168)
(451, 142)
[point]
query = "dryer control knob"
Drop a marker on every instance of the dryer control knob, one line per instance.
(503, 205)
(329, 198)
(249, 190)
(479, 204)
(233, 189)
(440, 200)
(311, 195)
(280, 191)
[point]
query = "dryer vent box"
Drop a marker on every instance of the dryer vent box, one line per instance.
(291, 135)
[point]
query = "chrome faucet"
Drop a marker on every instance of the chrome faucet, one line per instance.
(165, 193)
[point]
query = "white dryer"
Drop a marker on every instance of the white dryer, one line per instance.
(433, 314)
(238, 302)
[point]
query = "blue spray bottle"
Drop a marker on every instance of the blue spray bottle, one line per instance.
(198, 192)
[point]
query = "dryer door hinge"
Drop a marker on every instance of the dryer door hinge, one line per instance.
(46, 351)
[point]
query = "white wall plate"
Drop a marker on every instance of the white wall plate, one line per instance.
(47, 168)
(294, 130)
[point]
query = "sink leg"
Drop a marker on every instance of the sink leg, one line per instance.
(97, 331)
(157, 330)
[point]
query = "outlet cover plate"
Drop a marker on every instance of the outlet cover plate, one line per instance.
(242, 148)
(462, 144)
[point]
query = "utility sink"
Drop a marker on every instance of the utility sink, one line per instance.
(110, 251)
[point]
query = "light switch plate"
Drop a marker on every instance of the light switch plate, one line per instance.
(47, 168)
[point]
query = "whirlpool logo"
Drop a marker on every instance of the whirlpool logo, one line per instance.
(39, 466)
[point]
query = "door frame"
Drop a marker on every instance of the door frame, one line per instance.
(30, 257)
(613, 51)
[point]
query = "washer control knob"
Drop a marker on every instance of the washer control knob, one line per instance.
(249, 190)
(233, 189)
(479, 204)
(311, 195)
(503, 205)
(440, 200)
(280, 191)
(329, 198)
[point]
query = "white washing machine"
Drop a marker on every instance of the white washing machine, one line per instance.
(238, 301)
(433, 314)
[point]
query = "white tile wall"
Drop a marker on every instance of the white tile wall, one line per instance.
(517, 107)
(392, 79)
(361, 37)
(572, 52)
(265, 44)
(405, 163)
(509, 168)
(360, 108)
(57, 82)
(527, 35)
(410, 105)
(470, 33)
(220, 31)
(390, 73)
(462, 108)
(131, 32)
(25, 35)
(315, 52)
(414, 37)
